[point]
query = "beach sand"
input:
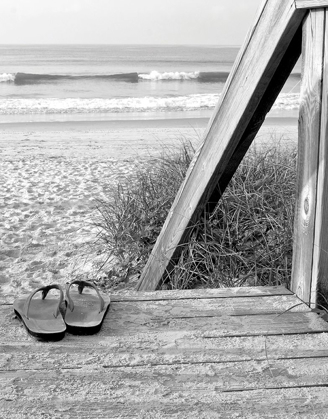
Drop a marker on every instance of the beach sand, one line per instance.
(53, 173)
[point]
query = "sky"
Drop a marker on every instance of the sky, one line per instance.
(214, 22)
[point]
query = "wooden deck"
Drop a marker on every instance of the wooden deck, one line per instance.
(187, 354)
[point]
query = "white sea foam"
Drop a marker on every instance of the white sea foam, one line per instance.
(176, 75)
(100, 105)
(144, 104)
(5, 77)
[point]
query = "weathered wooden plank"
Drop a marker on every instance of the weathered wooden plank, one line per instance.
(264, 64)
(274, 403)
(172, 309)
(158, 349)
(286, 324)
(205, 307)
(150, 384)
(319, 287)
(310, 4)
(234, 292)
(137, 322)
(186, 294)
(308, 151)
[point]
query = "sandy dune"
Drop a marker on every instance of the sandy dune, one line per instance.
(48, 186)
(50, 177)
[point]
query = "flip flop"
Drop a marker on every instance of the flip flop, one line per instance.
(41, 317)
(86, 313)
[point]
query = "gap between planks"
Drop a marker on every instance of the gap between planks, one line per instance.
(213, 377)
(163, 349)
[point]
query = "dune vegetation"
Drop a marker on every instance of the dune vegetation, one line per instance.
(246, 241)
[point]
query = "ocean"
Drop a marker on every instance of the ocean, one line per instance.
(114, 82)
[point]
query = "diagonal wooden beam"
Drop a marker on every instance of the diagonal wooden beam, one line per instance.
(263, 65)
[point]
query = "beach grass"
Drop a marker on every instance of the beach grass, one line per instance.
(246, 241)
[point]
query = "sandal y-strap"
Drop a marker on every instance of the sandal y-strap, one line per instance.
(85, 312)
(42, 317)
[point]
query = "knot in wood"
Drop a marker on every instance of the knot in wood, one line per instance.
(306, 205)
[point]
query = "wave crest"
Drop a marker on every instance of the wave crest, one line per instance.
(6, 77)
(171, 75)
(199, 76)
(134, 77)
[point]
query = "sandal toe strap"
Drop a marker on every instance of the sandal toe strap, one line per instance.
(81, 284)
(45, 291)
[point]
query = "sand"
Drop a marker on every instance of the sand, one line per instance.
(51, 177)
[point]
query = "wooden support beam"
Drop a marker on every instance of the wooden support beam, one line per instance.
(319, 286)
(310, 4)
(308, 152)
(263, 65)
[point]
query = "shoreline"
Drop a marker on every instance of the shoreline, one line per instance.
(121, 140)
(178, 122)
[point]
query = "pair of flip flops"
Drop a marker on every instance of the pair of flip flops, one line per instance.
(43, 319)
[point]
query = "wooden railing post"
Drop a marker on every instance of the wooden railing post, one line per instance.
(310, 254)
(319, 286)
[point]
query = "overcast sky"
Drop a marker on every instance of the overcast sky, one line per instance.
(223, 22)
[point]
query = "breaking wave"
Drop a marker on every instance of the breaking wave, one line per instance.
(7, 77)
(199, 76)
(209, 76)
(11, 106)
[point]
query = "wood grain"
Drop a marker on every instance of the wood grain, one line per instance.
(174, 309)
(310, 4)
(233, 292)
(183, 358)
(219, 377)
(319, 286)
(159, 348)
(281, 403)
(308, 153)
(136, 322)
(174, 386)
(262, 67)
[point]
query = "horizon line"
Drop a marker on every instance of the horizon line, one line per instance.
(122, 44)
